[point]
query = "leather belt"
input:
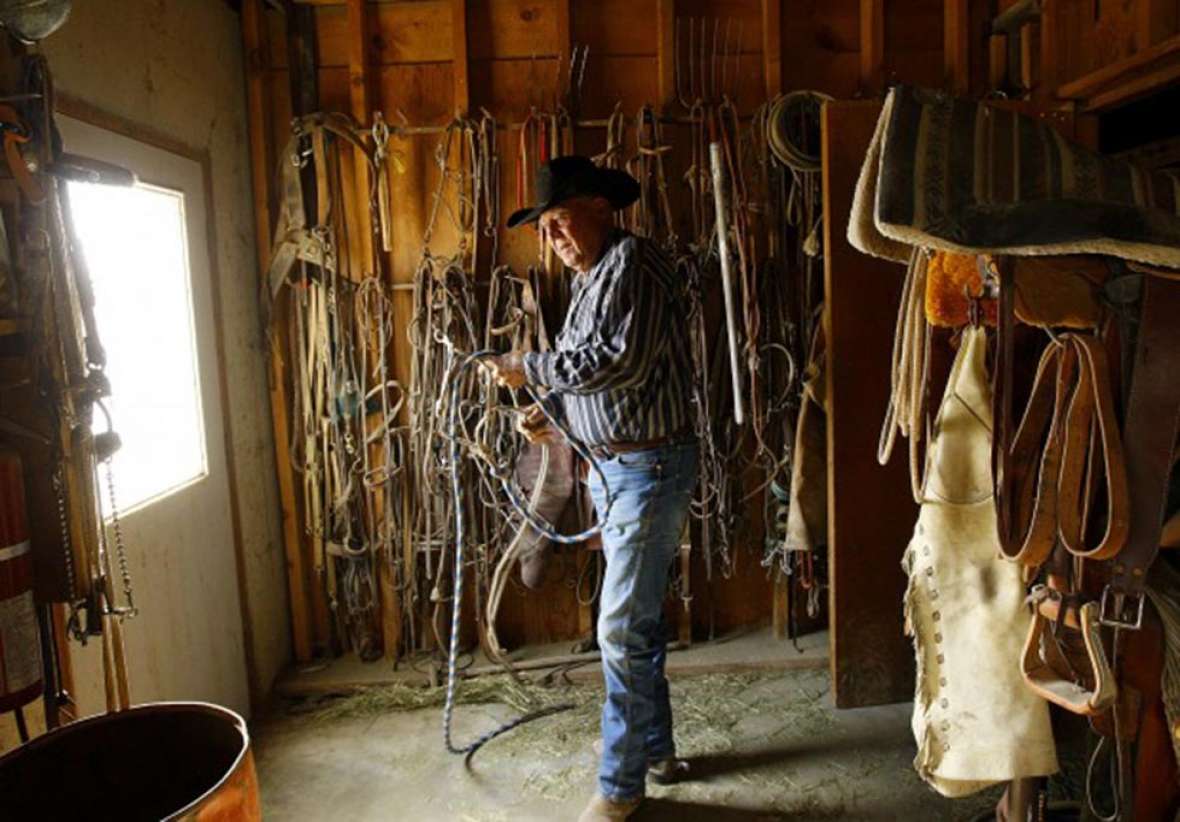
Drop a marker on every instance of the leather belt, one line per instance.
(612, 450)
(1153, 414)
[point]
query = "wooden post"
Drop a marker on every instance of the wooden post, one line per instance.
(956, 45)
(872, 46)
(257, 65)
(1050, 29)
(772, 47)
(459, 52)
(666, 46)
(870, 509)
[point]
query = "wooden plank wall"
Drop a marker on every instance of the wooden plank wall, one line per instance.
(426, 60)
(423, 61)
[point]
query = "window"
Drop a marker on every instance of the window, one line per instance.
(136, 248)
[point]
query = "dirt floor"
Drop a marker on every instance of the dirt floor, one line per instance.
(763, 746)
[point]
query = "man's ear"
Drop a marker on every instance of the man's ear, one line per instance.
(602, 206)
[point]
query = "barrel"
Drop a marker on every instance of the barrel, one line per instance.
(20, 641)
(186, 761)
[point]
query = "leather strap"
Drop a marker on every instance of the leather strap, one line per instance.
(1068, 437)
(1068, 424)
(1153, 413)
(1091, 431)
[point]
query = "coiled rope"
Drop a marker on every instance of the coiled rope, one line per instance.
(530, 516)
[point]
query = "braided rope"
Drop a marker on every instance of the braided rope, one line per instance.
(530, 516)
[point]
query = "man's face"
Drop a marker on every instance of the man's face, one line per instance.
(576, 230)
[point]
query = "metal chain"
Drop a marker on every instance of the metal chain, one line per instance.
(73, 625)
(129, 610)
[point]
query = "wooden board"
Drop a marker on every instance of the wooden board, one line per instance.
(870, 511)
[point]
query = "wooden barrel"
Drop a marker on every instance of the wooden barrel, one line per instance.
(187, 761)
(20, 641)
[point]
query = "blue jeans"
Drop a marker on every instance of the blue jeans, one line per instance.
(651, 491)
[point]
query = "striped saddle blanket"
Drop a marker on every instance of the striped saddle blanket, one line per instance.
(961, 175)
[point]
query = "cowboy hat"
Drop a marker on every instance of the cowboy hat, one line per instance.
(33, 20)
(564, 178)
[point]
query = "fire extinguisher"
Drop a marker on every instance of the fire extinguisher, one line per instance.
(21, 669)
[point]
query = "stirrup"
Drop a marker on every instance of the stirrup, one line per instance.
(1043, 677)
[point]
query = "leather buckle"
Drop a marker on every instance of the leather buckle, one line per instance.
(1119, 619)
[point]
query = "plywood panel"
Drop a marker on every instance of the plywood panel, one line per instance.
(629, 81)
(821, 47)
(417, 32)
(745, 15)
(914, 38)
(918, 68)
(871, 512)
(617, 27)
(513, 28)
(511, 88)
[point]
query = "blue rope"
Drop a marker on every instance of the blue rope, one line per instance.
(533, 519)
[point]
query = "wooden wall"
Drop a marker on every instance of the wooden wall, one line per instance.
(424, 61)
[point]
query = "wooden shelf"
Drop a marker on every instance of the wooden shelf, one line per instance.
(1136, 76)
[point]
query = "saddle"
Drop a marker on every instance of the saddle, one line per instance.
(1081, 501)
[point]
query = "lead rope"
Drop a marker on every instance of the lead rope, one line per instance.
(457, 376)
(906, 412)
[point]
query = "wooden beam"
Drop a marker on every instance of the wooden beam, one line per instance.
(666, 52)
(1153, 60)
(460, 55)
(772, 47)
(872, 46)
(956, 45)
(257, 66)
(1134, 89)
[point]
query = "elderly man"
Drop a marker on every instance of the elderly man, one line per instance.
(620, 381)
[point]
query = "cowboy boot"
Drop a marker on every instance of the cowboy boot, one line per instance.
(667, 771)
(602, 809)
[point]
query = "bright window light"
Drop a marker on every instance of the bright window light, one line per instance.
(136, 249)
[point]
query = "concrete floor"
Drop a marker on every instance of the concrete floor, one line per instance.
(763, 745)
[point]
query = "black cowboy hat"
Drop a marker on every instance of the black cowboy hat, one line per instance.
(564, 178)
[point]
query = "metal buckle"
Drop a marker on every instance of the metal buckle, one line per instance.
(1119, 619)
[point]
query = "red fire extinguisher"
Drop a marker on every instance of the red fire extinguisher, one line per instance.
(20, 644)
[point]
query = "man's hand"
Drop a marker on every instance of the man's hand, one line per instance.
(535, 427)
(507, 369)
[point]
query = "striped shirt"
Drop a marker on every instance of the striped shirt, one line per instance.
(622, 369)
